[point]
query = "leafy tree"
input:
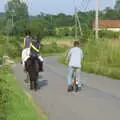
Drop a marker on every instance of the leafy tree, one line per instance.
(17, 11)
(110, 13)
(117, 5)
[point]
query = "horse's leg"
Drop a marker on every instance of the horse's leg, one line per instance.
(35, 81)
(31, 84)
(35, 85)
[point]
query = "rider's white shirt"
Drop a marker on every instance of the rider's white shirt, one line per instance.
(25, 54)
(75, 56)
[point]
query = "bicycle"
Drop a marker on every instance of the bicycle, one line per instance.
(74, 81)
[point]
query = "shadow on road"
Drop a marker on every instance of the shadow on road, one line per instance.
(41, 84)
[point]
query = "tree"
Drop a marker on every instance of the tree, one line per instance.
(117, 5)
(17, 11)
(110, 13)
(8, 27)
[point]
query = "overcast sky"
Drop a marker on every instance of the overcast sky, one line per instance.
(60, 6)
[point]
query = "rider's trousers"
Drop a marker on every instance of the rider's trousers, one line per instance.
(26, 55)
(70, 73)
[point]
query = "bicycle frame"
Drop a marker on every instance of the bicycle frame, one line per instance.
(74, 82)
(74, 76)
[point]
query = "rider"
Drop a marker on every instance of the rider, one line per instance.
(26, 48)
(75, 56)
(35, 50)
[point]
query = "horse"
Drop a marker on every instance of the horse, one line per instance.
(32, 68)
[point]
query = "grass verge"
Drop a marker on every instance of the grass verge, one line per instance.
(15, 104)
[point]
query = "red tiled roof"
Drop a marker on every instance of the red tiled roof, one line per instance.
(108, 24)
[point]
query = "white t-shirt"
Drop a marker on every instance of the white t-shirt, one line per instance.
(75, 56)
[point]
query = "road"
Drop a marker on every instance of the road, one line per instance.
(98, 100)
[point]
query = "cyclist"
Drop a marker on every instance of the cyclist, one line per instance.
(75, 56)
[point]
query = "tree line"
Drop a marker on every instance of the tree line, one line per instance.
(16, 20)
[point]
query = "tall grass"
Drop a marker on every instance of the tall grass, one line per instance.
(48, 40)
(101, 57)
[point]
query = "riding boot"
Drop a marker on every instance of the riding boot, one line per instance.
(40, 66)
(25, 67)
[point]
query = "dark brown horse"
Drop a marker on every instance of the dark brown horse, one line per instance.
(32, 68)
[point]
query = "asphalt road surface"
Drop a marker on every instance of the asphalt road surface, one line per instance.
(98, 100)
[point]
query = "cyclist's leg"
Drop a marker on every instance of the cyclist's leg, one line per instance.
(78, 77)
(70, 72)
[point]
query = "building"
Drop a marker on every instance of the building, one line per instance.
(113, 25)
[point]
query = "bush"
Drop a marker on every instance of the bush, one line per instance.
(10, 46)
(109, 34)
(1, 60)
(2, 117)
(4, 92)
(14, 103)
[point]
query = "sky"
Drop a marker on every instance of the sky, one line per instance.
(61, 6)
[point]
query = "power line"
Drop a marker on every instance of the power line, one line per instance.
(77, 21)
(84, 5)
(87, 3)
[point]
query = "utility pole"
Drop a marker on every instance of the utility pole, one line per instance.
(75, 12)
(97, 20)
(77, 25)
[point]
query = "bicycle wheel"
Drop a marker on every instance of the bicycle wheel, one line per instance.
(75, 86)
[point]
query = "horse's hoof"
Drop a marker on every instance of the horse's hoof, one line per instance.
(31, 88)
(35, 88)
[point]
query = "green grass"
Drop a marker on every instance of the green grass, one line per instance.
(10, 46)
(101, 57)
(16, 105)
(48, 40)
(53, 48)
